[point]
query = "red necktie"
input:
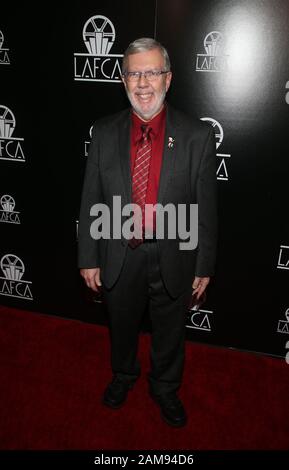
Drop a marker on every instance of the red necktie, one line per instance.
(141, 175)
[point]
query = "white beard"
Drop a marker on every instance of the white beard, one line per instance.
(156, 108)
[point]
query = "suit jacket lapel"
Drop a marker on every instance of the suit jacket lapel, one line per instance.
(169, 153)
(124, 153)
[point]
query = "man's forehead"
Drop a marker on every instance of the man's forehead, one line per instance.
(143, 58)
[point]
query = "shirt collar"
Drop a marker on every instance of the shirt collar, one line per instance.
(156, 124)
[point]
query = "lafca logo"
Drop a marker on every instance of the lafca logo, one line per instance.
(7, 213)
(283, 325)
(222, 170)
(199, 319)
(213, 60)
(287, 93)
(283, 260)
(12, 284)
(98, 65)
(87, 143)
(10, 147)
(4, 58)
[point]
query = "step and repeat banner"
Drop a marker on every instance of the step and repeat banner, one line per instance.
(61, 71)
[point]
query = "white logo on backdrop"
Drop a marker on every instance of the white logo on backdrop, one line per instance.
(98, 65)
(200, 319)
(287, 94)
(283, 325)
(283, 259)
(287, 354)
(4, 57)
(10, 147)
(222, 170)
(12, 284)
(213, 60)
(7, 213)
(87, 142)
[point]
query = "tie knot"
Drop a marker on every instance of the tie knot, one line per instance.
(145, 131)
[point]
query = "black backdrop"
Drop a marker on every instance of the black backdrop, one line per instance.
(230, 65)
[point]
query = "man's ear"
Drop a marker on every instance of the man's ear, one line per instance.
(168, 80)
(123, 81)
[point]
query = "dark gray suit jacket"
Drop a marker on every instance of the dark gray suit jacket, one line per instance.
(188, 175)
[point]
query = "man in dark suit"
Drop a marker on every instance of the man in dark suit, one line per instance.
(148, 271)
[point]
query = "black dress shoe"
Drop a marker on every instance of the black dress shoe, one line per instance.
(116, 392)
(172, 409)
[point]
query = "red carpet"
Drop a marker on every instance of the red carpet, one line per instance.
(53, 372)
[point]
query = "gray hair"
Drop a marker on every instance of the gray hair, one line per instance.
(144, 45)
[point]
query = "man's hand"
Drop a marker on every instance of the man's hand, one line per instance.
(92, 278)
(199, 285)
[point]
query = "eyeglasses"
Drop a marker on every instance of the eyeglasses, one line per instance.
(149, 75)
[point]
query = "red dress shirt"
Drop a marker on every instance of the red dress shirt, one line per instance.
(157, 136)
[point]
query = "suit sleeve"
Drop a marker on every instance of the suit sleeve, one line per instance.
(207, 209)
(88, 248)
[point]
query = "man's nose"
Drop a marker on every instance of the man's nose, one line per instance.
(142, 81)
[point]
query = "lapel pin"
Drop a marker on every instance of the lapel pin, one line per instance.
(171, 142)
